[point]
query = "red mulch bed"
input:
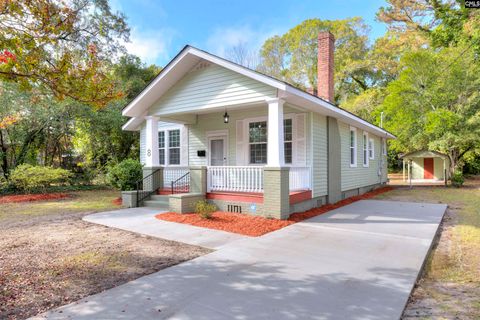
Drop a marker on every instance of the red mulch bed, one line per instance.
(117, 201)
(33, 197)
(257, 226)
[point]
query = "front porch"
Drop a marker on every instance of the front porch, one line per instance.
(256, 159)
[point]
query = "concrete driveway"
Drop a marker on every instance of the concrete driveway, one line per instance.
(357, 262)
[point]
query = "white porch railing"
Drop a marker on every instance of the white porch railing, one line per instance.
(236, 179)
(250, 178)
(171, 174)
(300, 178)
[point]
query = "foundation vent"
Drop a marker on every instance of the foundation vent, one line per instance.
(234, 208)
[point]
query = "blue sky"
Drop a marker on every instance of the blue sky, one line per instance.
(161, 28)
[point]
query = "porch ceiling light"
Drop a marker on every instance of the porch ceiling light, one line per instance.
(226, 117)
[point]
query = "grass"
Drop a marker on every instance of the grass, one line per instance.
(80, 201)
(452, 268)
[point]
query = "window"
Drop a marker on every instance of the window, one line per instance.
(288, 138)
(174, 146)
(161, 147)
(257, 132)
(371, 151)
(365, 149)
(353, 147)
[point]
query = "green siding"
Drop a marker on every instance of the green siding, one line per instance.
(214, 121)
(211, 87)
(418, 168)
(319, 154)
(360, 176)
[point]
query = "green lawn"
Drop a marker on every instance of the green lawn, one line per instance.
(451, 281)
(80, 201)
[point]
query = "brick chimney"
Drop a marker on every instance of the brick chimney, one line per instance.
(326, 45)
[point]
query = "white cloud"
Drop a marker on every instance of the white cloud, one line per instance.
(151, 45)
(223, 39)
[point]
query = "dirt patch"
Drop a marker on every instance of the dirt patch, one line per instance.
(60, 259)
(32, 197)
(256, 226)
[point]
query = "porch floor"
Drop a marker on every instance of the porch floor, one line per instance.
(255, 197)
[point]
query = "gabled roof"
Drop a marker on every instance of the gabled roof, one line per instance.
(424, 154)
(189, 56)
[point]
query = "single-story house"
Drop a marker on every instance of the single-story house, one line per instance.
(425, 166)
(212, 129)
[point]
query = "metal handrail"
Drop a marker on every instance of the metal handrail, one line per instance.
(186, 183)
(148, 193)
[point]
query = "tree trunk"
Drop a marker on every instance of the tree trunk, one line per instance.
(3, 155)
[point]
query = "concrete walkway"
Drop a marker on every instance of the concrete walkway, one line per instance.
(357, 262)
(143, 221)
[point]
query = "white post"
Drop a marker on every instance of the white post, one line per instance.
(403, 171)
(151, 142)
(275, 141)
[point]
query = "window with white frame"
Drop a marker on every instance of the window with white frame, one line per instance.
(161, 147)
(371, 149)
(353, 147)
(288, 139)
(257, 139)
(169, 147)
(365, 149)
(174, 146)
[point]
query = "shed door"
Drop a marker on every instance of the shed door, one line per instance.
(428, 168)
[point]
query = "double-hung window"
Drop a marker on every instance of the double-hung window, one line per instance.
(365, 149)
(174, 146)
(288, 138)
(257, 132)
(371, 149)
(257, 139)
(169, 147)
(353, 147)
(161, 147)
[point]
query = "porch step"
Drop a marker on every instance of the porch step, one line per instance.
(159, 197)
(156, 204)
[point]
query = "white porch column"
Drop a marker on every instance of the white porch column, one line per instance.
(275, 142)
(403, 171)
(151, 142)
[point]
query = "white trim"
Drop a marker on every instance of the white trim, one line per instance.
(217, 135)
(384, 146)
(246, 137)
(355, 146)
(371, 147)
(167, 130)
(365, 157)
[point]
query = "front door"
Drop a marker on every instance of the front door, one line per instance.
(218, 151)
(428, 168)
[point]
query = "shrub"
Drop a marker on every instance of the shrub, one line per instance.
(457, 179)
(28, 178)
(3, 184)
(205, 209)
(124, 175)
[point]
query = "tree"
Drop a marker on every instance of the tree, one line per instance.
(99, 137)
(64, 46)
(434, 103)
(242, 55)
(293, 56)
